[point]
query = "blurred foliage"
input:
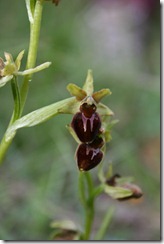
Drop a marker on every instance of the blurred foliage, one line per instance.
(38, 180)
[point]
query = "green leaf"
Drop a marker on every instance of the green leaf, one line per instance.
(117, 192)
(38, 116)
(105, 224)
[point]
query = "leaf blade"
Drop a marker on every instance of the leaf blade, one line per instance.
(41, 115)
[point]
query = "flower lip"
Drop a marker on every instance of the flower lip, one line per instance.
(88, 109)
(85, 128)
(88, 157)
(97, 143)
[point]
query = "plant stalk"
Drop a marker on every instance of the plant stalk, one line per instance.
(105, 224)
(89, 217)
(20, 99)
(87, 198)
(17, 101)
(33, 48)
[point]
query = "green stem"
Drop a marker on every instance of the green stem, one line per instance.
(98, 190)
(89, 217)
(105, 224)
(81, 187)
(89, 183)
(17, 101)
(31, 60)
(3, 148)
(33, 48)
(87, 199)
(4, 145)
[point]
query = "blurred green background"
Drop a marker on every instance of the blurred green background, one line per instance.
(120, 41)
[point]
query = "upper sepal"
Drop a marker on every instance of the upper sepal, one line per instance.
(87, 95)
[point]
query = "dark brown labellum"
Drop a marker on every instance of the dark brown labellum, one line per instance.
(88, 157)
(88, 109)
(97, 143)
(86, 128)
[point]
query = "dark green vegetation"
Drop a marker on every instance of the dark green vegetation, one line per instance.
(38, 180)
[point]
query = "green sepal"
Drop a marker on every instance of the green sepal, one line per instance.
(104, 110)
(88, 85)
(8, 57)
(124, 180)
(117, 192)
(72, 132)
(64, 230)
(107, 125)
(76, 91)
(19, 59)
(9, 69)
(5, 79)
(97, 96)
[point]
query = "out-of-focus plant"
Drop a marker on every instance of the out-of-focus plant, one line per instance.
(91, 127)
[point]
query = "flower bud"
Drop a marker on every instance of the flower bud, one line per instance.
(118, 182)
